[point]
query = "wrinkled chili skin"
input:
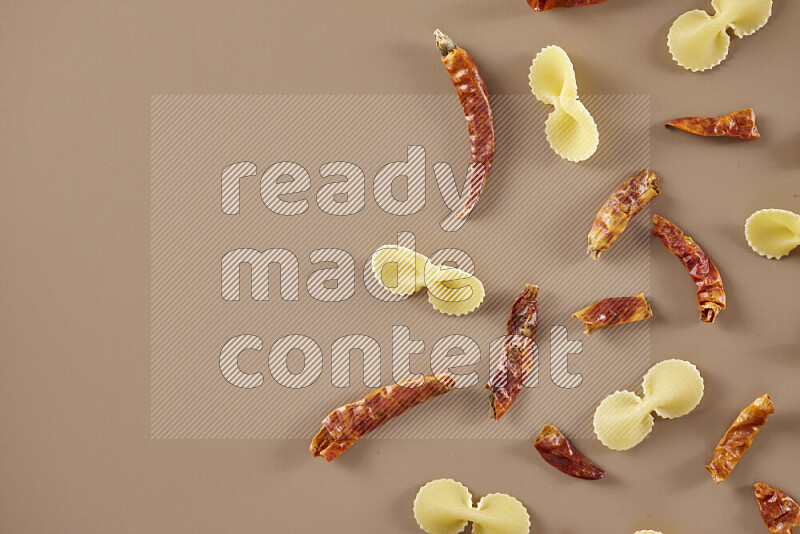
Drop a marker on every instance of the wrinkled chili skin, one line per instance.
(627, 200)
(779, 511)
(516, 357)
(739, 124)
(614, 312)
(545, 5)
(739, 438)
(710, 293)
(557, 451)
(474, 98)
(345, 425)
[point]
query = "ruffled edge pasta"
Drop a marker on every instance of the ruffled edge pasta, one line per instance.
(773, 233)
(444, 506)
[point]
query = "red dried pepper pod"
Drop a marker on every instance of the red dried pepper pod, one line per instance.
(625, 203)
(710, 293)
(739, 437)
(614, 311)
(345, 425)
(779, 511)
(739, 124)
(546, 5)
(516, 358)
(557, 451)
(474, 98)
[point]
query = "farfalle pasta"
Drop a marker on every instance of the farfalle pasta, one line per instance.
(444, 506)
(404, 272)
(672, 388)
(699, 41)
(570, 129)
(773, 233)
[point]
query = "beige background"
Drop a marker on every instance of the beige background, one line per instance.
(74, 121)
(193, 138)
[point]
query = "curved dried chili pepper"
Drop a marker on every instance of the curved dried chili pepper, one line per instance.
(474, 98)
(345, 425)
(614, 312)
(739, 437)
(557, 451)
(516, 357)
(739, 124)
(545, 5)
(626, 201)
(710, 293)
(779, 511)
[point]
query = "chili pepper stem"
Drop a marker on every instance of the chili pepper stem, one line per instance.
(445, 43)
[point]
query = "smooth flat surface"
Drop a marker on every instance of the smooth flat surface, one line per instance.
(74, 134)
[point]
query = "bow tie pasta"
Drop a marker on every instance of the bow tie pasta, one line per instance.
(699, 41)
(404, 272)
(773, 233)
(570, 129)
(444, 506)
(672, 388)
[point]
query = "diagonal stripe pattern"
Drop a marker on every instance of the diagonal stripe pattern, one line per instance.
(285, 184)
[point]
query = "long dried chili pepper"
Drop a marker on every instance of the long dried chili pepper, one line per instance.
(557, 451)
(474, 98)
(739, 437)
(739, 124)
(545, 5)
(614, 312)
(710, 293)
(779, 511)
(345, 425)
(627, 200)
(516, 357)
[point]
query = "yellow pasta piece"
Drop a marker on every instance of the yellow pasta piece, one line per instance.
(444, 506)
(672, 388)
(570, 128)
(699, 41)
(403, 271)
(773, 233)
(453, 291)
(399, 269)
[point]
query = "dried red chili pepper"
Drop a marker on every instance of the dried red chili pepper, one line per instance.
(516, 357)
(559, 452)
(614, 312)
(739, 124)
(780, 512)
(474, 98)
(627, 200)
(710, 293)
(739, 437)
(345, 425)
(545, 5)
